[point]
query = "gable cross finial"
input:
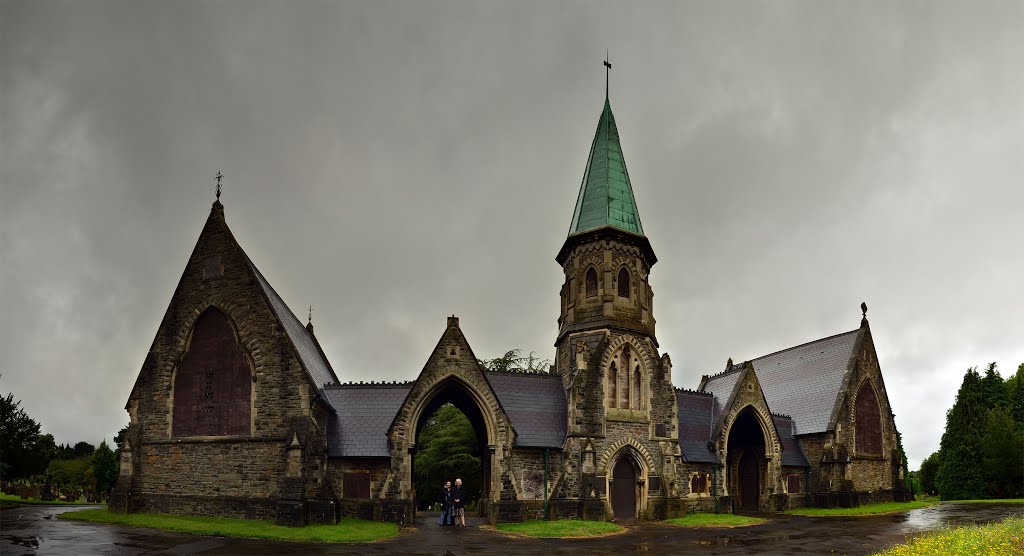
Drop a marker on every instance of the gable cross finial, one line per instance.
(218, 177)
(607, 71)
(864, 309)
(310, 313)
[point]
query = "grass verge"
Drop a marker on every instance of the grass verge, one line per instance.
(348, 530)
(15, 499)
(560, 528)
(715, 520)
(866, 509)
(1003, 537)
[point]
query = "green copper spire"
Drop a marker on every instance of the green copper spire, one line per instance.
(606, 198)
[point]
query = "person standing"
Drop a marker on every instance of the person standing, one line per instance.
(446, 504)
(459, 502)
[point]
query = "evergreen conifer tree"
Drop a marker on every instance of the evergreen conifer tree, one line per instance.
(1015, 389)
(960, 474)
(993, 388)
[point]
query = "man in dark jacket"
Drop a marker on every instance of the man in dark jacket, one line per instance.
(446, 504)
(459, 503)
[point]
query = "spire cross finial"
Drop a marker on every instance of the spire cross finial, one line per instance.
(218, 177)
(310, 313)
(607, 70)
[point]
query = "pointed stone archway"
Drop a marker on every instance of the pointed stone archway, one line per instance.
(452, 375)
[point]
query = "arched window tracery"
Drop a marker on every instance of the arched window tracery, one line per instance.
(591, 280)
(623, 283)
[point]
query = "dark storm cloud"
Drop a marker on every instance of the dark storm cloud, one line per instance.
(393, 163)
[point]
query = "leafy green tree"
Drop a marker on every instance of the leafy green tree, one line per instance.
(43, 451)
(83, 449)
(515, 361)
(447, 449)
(18, 434)
(929, 468)
(71, 472)
(959, 476)
(1002, 450)
(993, 388)
(104, 467)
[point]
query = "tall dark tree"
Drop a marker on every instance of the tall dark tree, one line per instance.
(44, 450)
(514, 360)
(1002, 450)
(929, 468)
(447, 449)
(1015, 388)
(959, 476)
(104, 467)
(993, 388)
(18, 434)
(83, 449)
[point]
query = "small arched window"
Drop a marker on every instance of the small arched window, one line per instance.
(591, 282)
(613, 378)
(868, 437)
(624, 283)
(637, 381)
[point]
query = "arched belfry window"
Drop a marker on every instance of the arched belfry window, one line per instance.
(626, 386)
(591, 282)
(868, 437)
(637, 400)
(613, 378)
(213, 382)
(623, 283)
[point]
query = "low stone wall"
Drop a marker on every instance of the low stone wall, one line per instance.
(661, 508)
(215, 506)
(592, 509)
(378, 509)
(708, 505)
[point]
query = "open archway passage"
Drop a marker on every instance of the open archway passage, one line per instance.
(624, 487)
(451, 443)
(746, 460)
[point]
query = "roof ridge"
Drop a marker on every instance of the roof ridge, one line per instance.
(521, 372)
(689, 391)
(855, 330)
(342, 385)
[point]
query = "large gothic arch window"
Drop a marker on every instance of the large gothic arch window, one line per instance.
(213, 382)
(623, 283)
(868, 439)
(591, 279)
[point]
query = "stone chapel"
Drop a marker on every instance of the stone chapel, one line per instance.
(237, 411)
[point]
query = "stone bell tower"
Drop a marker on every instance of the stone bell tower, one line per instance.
(621, 403)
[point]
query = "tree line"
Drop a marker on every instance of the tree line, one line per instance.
(981, 454)
(31, 457)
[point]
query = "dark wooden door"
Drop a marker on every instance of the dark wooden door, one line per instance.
(624, 489)
(750, 481)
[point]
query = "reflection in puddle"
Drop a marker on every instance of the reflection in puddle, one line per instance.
(27, 542)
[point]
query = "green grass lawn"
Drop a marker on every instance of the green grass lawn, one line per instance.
(560, 528)
(1003, 537)
(893, 507)
(348, 530)
(17, 500)
(715, 520)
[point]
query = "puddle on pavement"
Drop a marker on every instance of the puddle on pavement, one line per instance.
(27, 542)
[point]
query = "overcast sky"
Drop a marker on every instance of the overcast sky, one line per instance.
(394, 163)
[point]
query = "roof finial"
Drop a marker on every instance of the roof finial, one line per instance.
(607, 71)
(864, 309)
(310, 313)
(218, 177)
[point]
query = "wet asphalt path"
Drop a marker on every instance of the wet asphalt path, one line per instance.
(36, 530)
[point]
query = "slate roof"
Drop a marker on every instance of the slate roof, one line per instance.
(696, 421)
(309, 353)
(535, 403)
(606, 196)
(792, 454)
(801, 381)
(364, 414)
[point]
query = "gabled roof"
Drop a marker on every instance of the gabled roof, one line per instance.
(606, 196)
(696, 420)
(306, 348)
(535, 403)
(792, 453)
(364, 413)
(802, 381)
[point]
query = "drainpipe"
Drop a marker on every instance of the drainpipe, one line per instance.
(545, 483)
(807, 486)
(714, 484)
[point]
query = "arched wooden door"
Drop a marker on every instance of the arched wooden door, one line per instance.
(624, 489)
(750, 481)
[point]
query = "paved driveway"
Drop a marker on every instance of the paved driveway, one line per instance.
(35, 530)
